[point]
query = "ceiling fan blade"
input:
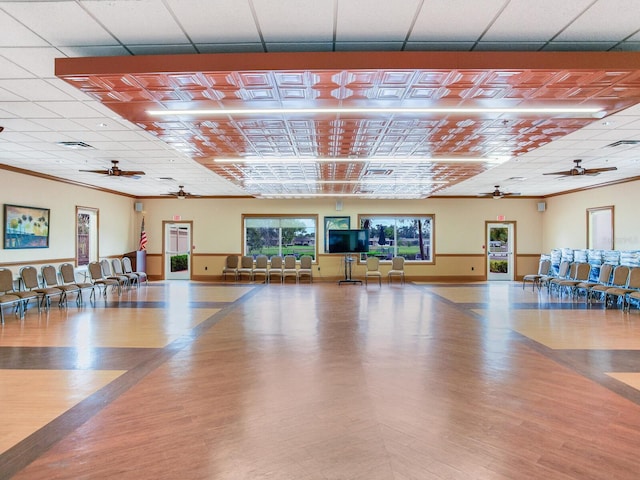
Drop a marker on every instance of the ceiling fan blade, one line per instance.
(130, 173)
(596, 171)
(566, 173)
(104, 172)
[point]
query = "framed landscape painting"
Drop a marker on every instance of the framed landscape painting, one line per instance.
(25, 227)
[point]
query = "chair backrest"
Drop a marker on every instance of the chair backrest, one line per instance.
(246, 262)
(232, 261)
(620, 276)
(106, 268)
(373, 263)
(67, 273)
(29, 276)
(604, 277)
(126, 265)
(306, 261)
(49, 275)
(583, 272)
(397, 263)
(563, 269)
(95, 271)
(262, 261)
(276, 262)
(544, 267)
(573, 271)
(6, 280)
(117, 266)
(634, 278)
(289, 261)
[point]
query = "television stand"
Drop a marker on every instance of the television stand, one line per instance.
(348, 261)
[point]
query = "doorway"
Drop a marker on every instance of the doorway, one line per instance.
(500, 242)
(177, 250)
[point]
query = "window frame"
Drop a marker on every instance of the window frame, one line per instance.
(414, 216)
(288, 216)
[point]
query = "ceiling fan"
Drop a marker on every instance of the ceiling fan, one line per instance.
(579, 170)
(497, 194)
(115, 171)
(181, 194)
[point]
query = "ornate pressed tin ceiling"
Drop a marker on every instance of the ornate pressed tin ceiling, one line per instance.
(397, 153)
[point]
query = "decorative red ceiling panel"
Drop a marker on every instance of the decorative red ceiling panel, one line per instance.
(131, 86)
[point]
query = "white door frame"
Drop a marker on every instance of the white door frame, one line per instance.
(166, 254)
(505, 252)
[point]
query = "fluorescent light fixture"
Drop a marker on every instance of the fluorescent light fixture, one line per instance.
(590, 111)
(341, 195)
(346, 182)
(364, 160)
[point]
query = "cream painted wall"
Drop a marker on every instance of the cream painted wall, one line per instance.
(565, 220)
(118, 232)
(459, 224)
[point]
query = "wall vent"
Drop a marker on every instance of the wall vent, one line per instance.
(75, 145)
(620, 143)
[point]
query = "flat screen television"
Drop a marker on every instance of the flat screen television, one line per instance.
(348, 241)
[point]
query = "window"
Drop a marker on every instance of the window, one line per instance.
(408, 236)
(281, 235)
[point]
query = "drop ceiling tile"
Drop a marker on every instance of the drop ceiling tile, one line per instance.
(15, 34)
(8, 69)
(291, 20)
(52, 21)
(374, 20)
(6, 96)
(34, 89)
(545, 19)
(219, 22)
(26, 110)
(123, 21)
(59, 124)
(436, 18)
(623, 20)
(37, 61)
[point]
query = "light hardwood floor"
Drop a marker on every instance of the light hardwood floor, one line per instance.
(187, 380)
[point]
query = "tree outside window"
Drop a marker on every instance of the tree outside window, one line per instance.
(281, 235)
(408, 236)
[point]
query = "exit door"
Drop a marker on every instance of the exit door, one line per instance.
(500, 251)
(177, 251)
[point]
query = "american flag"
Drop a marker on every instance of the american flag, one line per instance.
(143, 237)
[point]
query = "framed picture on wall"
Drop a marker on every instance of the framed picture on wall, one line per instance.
(25, 227)
(334, 223)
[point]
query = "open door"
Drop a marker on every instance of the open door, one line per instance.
(500, 241)
(177, 250)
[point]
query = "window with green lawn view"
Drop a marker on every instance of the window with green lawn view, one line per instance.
(408, 236)
(280, 235)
